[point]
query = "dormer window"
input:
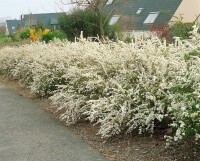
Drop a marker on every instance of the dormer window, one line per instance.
(109, 2)
(151, 17)
(139, 11)
(114, 19)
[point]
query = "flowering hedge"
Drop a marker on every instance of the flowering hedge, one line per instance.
(122, 87)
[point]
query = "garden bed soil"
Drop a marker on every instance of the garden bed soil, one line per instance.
(132, 147)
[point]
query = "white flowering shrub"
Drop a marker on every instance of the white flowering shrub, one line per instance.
(123, 87)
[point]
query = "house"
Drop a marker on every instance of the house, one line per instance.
(189, 10)
(11, 26)
(47, 20)
(138, 15)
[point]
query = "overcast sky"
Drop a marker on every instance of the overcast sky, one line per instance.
(14, 8)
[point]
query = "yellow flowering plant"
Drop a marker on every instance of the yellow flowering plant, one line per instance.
(37, 34)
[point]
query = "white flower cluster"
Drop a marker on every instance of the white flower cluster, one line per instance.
(123, 87)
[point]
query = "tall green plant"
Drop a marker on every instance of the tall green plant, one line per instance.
(79, 20)
(82, 20)
(181, 30)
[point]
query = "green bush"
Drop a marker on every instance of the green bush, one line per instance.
(16, 36)
(181, 30)
(24, 34)
(21, 34)
(51, 35)
(113, 32)
(86, 21)
(2, 35)
(5, 40)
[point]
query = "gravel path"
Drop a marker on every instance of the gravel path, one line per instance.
(29, 133)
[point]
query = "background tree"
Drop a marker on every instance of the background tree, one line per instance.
(95, 8)
(79, 20)
(84, 20)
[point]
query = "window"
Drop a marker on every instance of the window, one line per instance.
(113, 19)
(13, 28)
(151, 17)
(139, 11)
(109, 2)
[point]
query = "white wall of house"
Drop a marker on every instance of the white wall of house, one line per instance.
(139, 33)
(189, 9)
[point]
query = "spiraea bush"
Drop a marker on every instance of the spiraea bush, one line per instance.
(122, 87)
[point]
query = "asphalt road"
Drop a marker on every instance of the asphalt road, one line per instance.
(29, 133)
